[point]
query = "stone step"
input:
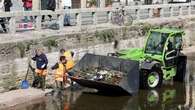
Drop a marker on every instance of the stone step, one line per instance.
(21, 96)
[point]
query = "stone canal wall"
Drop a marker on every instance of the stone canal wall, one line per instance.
(14, 55)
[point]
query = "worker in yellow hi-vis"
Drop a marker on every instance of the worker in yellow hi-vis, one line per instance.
(70, 61)
(69, 57)
(60, 73)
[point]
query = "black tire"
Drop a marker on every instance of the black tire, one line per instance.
(144, 78)
(181, 69)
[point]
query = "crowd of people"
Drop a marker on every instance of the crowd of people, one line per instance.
(5, 6)
(62, 69)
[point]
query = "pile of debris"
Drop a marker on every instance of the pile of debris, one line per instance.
(102, 75)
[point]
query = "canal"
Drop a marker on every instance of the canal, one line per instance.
(172, 96)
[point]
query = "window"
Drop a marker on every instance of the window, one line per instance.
(156, 42)
(178, 41)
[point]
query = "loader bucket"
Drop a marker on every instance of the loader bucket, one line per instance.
(129, 84)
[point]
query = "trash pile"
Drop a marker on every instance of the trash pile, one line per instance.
(102, 75)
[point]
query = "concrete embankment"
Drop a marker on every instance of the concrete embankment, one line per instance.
(18, 98)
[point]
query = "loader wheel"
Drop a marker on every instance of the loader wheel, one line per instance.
(151, 79)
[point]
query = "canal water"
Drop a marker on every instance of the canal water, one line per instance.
(172, 96)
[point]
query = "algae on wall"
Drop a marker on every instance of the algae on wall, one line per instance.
(10, 80)
(24, 48)
(105, 36)
(49, 43)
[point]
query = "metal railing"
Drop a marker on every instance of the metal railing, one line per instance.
(94, 16)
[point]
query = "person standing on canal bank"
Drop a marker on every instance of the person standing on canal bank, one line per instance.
(66, 5)
(7, 4)
(27, 4)
(2, 20)
(41, 69)
(48, 5)
(60, 73)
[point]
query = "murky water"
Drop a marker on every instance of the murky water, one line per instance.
(172, 96)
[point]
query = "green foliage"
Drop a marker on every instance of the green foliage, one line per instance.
(29, 44)
(50, 43)
(22, 49)
(106, 36)
(108, 2)
(145, 28)
(92, 2)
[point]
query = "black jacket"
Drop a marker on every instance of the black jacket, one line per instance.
(7, 4)
(40, 61)
(56, 66)
(51, 5)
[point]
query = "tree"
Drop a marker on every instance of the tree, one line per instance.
(92, 3)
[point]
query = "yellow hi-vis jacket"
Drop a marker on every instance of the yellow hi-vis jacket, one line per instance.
(70, 62)
(60, 72)
(68, 54)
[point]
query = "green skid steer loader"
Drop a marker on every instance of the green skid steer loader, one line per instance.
(161, 58)
(145, 68)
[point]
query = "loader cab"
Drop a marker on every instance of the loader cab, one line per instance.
(172, 49)
(154, 47)
(164, 45)
(155, 43)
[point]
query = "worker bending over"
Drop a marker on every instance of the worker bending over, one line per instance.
(60, 73)
(41, 69)
(69, 57)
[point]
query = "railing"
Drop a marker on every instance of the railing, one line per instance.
(95, 16)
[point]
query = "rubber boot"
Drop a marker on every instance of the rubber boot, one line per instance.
(36, 82)
(43, 83)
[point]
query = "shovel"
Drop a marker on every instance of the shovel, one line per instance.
(25, 83)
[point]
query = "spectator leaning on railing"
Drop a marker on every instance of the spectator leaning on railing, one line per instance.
(27, 4)
(8, 4)
(50, 5)
(2, 20)
(66, 4)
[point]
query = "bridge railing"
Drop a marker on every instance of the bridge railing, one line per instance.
(94, 16)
